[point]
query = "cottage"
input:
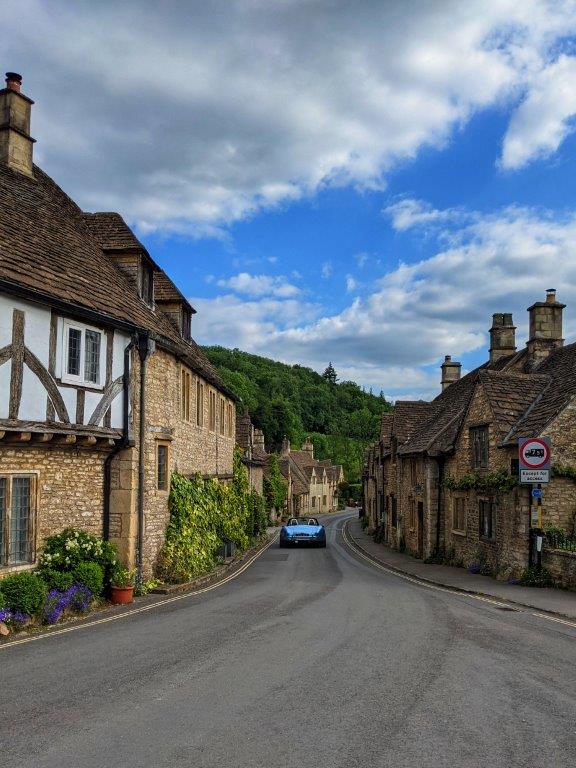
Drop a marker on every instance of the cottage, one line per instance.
(103, 392)
(312, 484)
(254, 457)
(442, 475)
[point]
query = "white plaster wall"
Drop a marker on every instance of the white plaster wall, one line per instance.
(4, 388)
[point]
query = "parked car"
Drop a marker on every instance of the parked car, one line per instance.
(302, 532)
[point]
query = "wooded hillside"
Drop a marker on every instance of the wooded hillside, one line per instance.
(296, 401)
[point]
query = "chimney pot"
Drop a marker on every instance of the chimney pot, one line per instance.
(502, 336)
(551, 295)
(450, 372)
(13, 81)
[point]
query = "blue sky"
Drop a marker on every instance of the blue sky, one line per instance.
(359, 183)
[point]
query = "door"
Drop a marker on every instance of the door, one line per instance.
(421, 529)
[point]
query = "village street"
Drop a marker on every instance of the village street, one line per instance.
(309, 658)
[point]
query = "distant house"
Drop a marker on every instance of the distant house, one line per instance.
(103, 392)
(437, 478)
(312, 484)
(251, 441)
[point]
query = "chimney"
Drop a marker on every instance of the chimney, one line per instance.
(259, 438)
(450, 372)
(545, 329)
(285, 450)
(502, 336)
(308, 446)
(15, 140)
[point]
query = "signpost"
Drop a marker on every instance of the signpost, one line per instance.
(534, 459)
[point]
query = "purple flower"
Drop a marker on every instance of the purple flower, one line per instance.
(77, 598)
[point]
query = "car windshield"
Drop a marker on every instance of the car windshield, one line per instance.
(303, 521)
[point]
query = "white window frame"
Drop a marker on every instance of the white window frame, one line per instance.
(79, 380)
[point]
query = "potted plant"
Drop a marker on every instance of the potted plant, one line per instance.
(122, 586)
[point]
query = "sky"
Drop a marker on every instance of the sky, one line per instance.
(357, 182)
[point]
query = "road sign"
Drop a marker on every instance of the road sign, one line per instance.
(534, 459)
(537, 493)
(535, 517)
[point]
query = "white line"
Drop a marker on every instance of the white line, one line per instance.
(357, 550)
(143, 608)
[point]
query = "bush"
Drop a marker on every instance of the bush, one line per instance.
(90, 575)
(536, 577)
(24, 592)
(59, 580)
(2, 600)
(65, 551)
(77, 598)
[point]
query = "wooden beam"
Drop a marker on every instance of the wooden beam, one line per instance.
(89, 440)
(24, 437)
(65, 439)
(43, 437)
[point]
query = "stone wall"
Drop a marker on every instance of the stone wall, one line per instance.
(69, 487)
(562, 566)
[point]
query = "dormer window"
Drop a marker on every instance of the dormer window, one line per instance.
(146, 286)
(186, 323)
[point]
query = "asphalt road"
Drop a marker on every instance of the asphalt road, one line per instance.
(309, 658)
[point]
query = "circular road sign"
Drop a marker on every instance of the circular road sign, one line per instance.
(535, 453)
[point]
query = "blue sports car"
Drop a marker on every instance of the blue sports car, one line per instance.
(302, 531)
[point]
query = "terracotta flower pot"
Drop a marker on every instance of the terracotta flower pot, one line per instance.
(122, 595)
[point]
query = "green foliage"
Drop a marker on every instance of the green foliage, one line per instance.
(91, 575)
(66, 550)
(445, 556)
(275, 487)
(295, 401)
(60, 580)
(204, 514)
(122, 577)
(330, 374)
(351, 491)
(500, 481)
(2, 600)
(536, 577)
(24, 592)
(564, 470)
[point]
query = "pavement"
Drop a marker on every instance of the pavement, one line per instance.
(556, 601)
(310, 658)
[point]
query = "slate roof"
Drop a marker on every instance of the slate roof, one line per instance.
(47, 249)
(510, 395)
(166, 291)
(111, 232)
(560, 368)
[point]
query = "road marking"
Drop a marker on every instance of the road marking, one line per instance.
(142, 608)
(357, 550)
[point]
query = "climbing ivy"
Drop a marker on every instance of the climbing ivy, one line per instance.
(204, 514)
(564, 470)
(275, 487)
(500, 481)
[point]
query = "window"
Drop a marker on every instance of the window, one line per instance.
(486, 519)
(459, 514)
(212, 411)
(199, 403)
(185, 394)
(230, 408)
(162, 467)
(222, 411)
(82, 348)
(17, 517)
(186, 323)
(313, 501)
(147, 282)
(479, 446)
(323, 501)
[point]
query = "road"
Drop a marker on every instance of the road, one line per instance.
(309, 658)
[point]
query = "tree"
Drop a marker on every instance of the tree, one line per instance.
(330, 374)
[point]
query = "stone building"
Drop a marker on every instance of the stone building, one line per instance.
(313, 485)
(103, 392)
(442, 474)
(251, 441)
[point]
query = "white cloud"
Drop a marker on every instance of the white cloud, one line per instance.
(419, 312)
(351, 284)
(408, 213)
(260, 285)
(186, 117)
(544, 119)
(326, 270)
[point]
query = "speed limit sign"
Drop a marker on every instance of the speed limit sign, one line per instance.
(534, 454)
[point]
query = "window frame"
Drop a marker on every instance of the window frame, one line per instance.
(5, 540)
(80, 379)
(459, 500)
(185, 394)
(164, 445)
(480, 449)
(483, 504)
(199, 403)
(211, 410)
(222, 417)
